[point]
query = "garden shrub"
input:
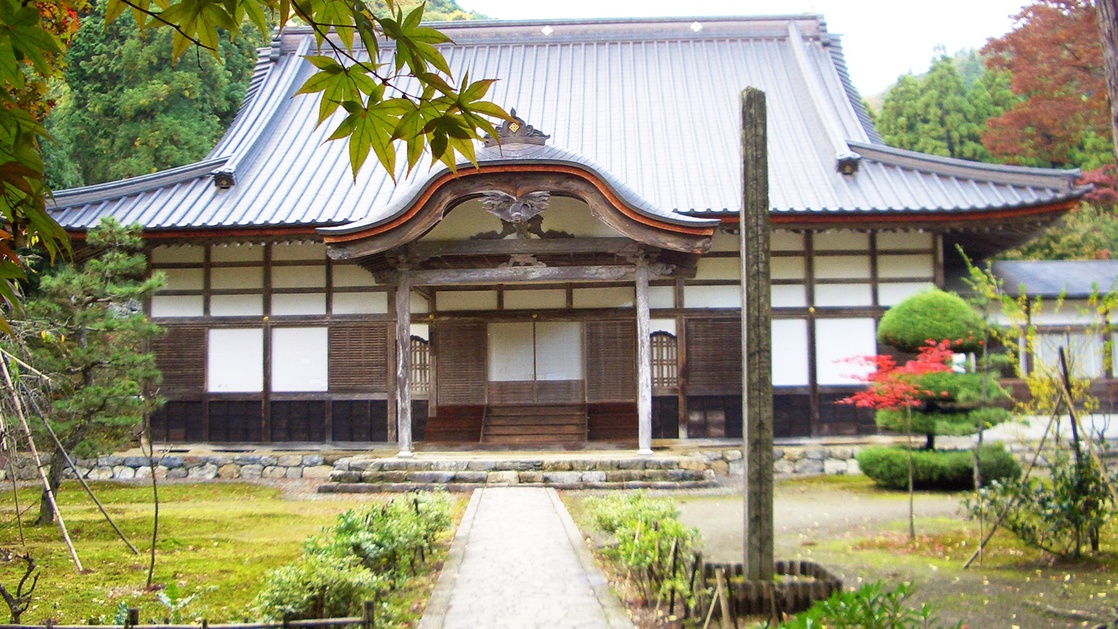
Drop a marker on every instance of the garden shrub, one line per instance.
(653, 547)
(870, 607)
(1059, 515)
(317, 586)
(369, 554)
(932, 315)
(947, 470)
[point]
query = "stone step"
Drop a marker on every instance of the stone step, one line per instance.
(371, 464)
(442, 477)
(455, 486)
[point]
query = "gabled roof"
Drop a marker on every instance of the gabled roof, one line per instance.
(652, 106)
(1073, 279)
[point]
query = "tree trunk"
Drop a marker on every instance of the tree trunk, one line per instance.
(54, 477)
(1106, 17)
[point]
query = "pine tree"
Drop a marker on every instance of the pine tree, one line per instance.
(85, 329)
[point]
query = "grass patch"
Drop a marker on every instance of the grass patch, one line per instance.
(217, 540)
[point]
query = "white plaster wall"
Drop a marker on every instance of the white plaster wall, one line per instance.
(787, 268)
(176, 306)
(907, 266)
(298, 277)
(360, 303)
(183, 254)
(575, 218)
(780, 240)
(559, 350)
(842, 267)
(893, 294)
(836, 341)
(835, 240)
(237, 277)
(535, 299)
(904, 240)
(450, 300)
(299, 304)
(661, 297)
(662, 325)
(300, 360)
(790, 352)
(840, 295)
(1084, 352)
(304, 250)
(712, 296)
(788, 296)
(352, 276)
(239, 252)
(511, 351)
(237, 305)
(235, 360)
(718, 269)
(609, 297)
(183, 279)
(723, 241)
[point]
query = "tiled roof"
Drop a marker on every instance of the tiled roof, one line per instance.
(1074, 279)
(652, 106)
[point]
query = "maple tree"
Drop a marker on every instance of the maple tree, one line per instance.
(402, 94)
(1055, 60)
(893, 387)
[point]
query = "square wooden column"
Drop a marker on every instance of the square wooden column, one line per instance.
(403, 362)
(644, 362)
(756, 351)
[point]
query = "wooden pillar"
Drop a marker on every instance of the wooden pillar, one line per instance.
(403, 362)
(644, 363)
(757, 411)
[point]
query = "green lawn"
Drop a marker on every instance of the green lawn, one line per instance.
(217, 540)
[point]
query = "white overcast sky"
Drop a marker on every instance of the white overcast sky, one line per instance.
(882, 39)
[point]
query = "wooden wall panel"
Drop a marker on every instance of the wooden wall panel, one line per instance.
(460, 362)
(358, 357)
(611, 361)
(713, 357)
(180, 355)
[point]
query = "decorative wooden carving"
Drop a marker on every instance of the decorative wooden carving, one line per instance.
(512, 209)
(516, 131)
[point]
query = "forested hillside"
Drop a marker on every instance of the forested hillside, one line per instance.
(125, 110)
(1036, 96)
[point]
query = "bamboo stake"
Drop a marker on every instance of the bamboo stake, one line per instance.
(70, 461)
(7, 446)
(39, 466)
(1028, 470)
(723, 602)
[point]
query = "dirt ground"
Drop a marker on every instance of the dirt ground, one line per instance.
(860, 534)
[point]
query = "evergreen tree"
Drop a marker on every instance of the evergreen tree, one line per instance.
(129, 111)
(85, 329)
(938, 113)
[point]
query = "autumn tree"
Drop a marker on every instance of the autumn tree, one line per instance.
(1055, 63)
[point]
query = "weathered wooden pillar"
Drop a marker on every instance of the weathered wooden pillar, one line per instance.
(756, 337)
(644, 363)
(403, 362)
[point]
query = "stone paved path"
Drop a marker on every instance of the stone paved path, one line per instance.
(518, 561)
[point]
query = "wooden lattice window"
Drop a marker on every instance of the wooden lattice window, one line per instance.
(180, 355)
(665, 364)
(420, 365)
(611, 361)
(358, 357)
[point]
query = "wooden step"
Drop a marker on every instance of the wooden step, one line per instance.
(520, 424)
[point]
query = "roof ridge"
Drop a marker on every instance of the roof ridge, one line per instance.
(1002, 173)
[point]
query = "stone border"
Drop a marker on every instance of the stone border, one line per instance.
(788, 461)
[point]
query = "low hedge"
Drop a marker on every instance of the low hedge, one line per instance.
(947, 470)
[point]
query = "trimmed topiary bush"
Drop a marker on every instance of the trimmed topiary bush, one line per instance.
(947, 470)
(932, 315)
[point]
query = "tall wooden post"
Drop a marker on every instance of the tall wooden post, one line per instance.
(756, 337)
(403, 362)
(644, 363)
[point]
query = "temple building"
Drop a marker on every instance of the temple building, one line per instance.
(582, 283)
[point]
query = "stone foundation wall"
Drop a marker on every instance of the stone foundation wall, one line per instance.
(788, 461)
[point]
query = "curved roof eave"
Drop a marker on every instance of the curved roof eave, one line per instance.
(526, 157)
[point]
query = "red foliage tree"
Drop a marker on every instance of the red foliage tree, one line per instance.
(1056, 63)
(894, 388)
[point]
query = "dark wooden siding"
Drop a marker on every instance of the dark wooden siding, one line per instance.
(460, 351)
(611, 363)
(358, 357)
